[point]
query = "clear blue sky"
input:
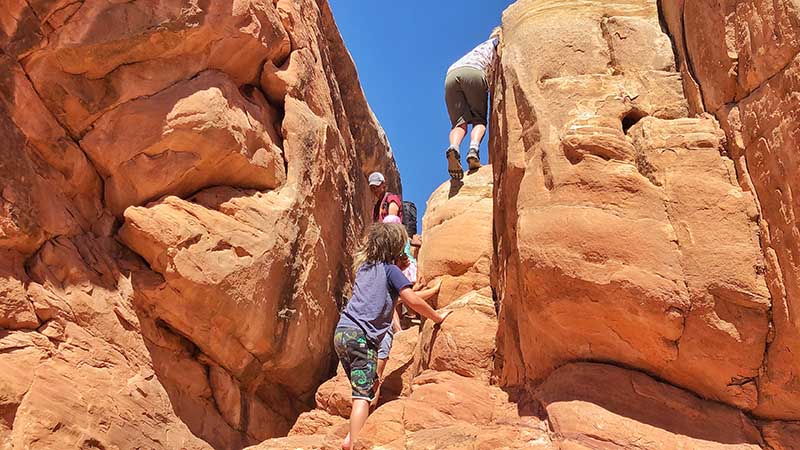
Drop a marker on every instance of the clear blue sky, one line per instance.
(402, 50)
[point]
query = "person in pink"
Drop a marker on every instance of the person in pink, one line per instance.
(405, 262)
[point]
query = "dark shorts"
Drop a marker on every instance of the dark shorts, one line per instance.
(359, 359)
(466, 94)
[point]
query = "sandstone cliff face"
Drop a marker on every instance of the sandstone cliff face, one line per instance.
(607, 190)
(749, 82)
(182, 186)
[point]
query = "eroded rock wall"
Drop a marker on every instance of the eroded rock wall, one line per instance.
(622, 231)
(183, 183)
(745, 58)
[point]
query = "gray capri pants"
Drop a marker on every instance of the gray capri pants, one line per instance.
(466, 93)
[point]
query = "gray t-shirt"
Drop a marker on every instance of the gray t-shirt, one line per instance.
(375, 293)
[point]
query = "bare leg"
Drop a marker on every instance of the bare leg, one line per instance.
(358, 416)
(381, 368)
(379, 381)
(478, 131)
(457, 135)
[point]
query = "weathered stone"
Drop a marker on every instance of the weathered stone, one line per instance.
(196, 134)
(603, 203)
(744, 55)
(457, 229)
(219, 330)
(600, 406)
(464, 343)
(107, 54)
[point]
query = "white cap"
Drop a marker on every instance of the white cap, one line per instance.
(376, 179)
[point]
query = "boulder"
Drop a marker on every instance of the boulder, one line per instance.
(457, 229)
(106, 54)
(601, 406)
(195, 134)
(464, 343)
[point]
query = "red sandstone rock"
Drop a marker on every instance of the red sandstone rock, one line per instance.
(464, 343)
(600, 406)
(604, 206)
(109, 53)
(749, 82)
(621, 231)
(196, 134)
(782, 435)
(457, 229)
(165, 100)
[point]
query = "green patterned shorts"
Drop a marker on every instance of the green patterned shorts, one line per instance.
(359, 359)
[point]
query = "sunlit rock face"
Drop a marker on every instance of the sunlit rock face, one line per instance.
(622, 233)
(749, 81)
(183, 185)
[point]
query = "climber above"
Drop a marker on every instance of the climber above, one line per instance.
(368, 315)
(466, 92)
(388, 203)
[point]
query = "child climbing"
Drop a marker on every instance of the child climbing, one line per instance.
(466, 92)
(408, 265)
(368, 316)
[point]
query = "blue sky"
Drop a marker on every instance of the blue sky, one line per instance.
(402, 50)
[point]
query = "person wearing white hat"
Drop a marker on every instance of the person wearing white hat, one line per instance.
(387, 202)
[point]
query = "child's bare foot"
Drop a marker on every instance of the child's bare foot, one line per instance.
(346, 444)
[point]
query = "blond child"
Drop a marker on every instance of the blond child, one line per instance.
(368, 316)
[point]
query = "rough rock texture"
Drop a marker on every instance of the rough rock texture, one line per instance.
(621, 231)
(636, 412)
(457, 228)
(749, 80)
(183, 183)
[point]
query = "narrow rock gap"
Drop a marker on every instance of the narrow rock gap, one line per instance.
(689, 62)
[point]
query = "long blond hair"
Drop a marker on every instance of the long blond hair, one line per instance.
(497, 32)
(384, 243)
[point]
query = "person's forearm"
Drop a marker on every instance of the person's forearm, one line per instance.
(427, 294)
(419, 305)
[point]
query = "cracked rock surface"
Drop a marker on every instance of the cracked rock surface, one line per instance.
(174, 222)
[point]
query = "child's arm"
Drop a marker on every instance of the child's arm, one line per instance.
(412, 300)
(427, 294)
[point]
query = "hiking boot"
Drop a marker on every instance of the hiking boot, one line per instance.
(454, 164)
(474, 159)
